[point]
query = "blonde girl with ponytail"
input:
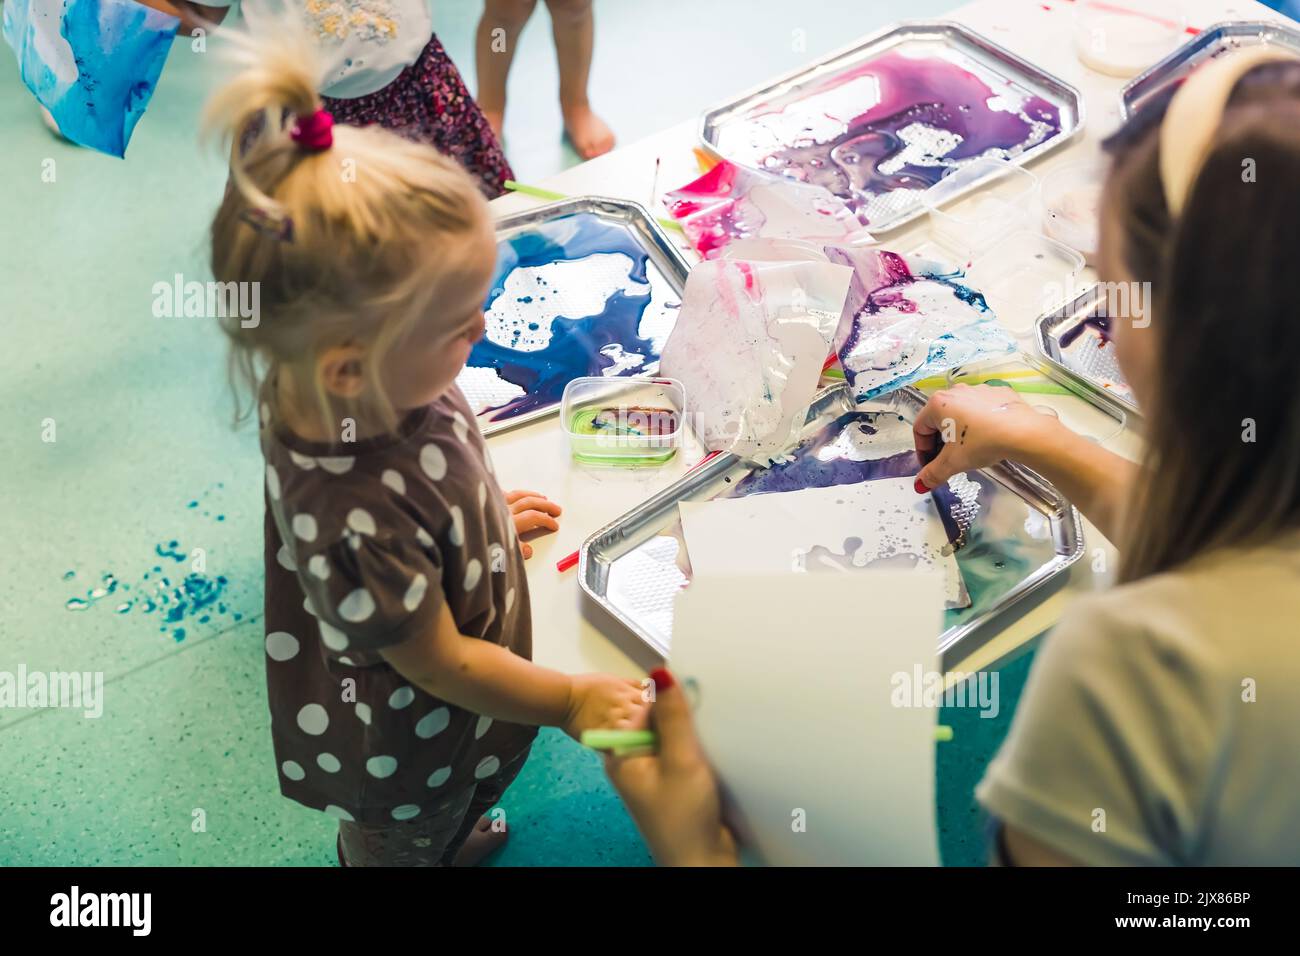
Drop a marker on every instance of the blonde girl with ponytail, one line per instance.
(398, 634)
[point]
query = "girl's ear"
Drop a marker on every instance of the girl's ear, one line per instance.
(340, 368)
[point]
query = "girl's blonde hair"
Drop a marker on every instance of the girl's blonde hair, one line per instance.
(371, 218)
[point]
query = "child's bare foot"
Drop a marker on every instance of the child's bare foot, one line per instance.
(482, 842)
(497, 120)
(587, 131)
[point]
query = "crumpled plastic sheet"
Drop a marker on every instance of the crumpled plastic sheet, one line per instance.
(908, 318)
(730, 202)
(750, 345)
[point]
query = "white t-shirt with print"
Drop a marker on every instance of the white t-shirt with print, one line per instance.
(365, 43)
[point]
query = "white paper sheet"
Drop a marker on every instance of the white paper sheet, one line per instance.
(795, 683)
(874, 524)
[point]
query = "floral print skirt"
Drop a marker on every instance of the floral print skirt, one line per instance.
(428, 103)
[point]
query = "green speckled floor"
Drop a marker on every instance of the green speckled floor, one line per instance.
(140, 417)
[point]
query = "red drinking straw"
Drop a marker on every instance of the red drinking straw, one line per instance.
(570, 560)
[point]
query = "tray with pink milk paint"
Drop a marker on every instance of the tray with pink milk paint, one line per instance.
(879, 123)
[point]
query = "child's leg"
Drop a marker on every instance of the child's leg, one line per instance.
(476, 839)
(574, 29)
(418, 843)
(494, 50)
(449, 837)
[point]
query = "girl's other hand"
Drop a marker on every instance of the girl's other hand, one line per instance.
(602, 700)
(974, 426)
(532, 511)
(672, 795)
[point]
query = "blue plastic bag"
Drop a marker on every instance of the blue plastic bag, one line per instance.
(92, 63)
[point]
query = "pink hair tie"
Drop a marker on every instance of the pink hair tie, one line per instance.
(315, 133)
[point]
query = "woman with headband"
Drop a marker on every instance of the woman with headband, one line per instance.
(1160, 712)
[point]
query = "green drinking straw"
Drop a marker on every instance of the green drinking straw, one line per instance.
(538, 193)
(624, 742)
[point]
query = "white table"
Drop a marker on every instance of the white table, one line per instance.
(536, 456)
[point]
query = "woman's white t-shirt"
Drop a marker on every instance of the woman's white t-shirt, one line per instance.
(1159, 725)
(365, 44)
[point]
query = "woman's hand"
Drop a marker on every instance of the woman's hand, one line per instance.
(974, 426)
(532, 512)
(602, 700)
(672, 795)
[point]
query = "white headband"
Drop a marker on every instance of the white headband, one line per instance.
(1195, 113)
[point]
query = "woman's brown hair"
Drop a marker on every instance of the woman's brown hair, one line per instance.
(1222, 465)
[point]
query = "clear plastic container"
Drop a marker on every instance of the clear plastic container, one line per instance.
(1023, 276)
(1002, 201)
(1124, 37)
(1071, 205)
(623, 421)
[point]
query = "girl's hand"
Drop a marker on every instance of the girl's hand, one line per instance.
(532, 512)
(974, 426)
(602, 700)
(672, 795)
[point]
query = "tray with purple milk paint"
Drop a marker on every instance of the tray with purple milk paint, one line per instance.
(584, 286)
(1015, 536)
(1211, 42)
(1074, 346)
(881, 121)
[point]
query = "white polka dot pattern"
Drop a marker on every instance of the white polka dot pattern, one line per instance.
(400, 698)
(284, 557)
(393, 479)
(281, 646)
(433, 462)
(433, 723)
(313, 719)
(362, 522)
(304, 526)
(415, 593)
(357, 606)
(336, 466)
(439, 777)
(473, 572)
(332, 637)
(328, 762)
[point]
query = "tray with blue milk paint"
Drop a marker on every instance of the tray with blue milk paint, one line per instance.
(1074, 347)
(879, 122)
(583, 287)
(1015, 536)
(1211, 42)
